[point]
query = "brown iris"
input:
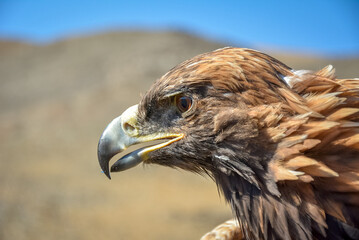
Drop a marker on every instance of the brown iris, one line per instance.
(183, 103)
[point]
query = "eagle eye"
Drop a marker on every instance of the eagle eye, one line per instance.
(183, 103)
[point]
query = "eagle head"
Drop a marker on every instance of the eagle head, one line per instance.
(198, 112)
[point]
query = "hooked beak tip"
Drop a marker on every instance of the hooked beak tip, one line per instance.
(107, 174)
(104, 163)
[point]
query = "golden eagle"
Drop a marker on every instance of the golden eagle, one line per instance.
(282, 145)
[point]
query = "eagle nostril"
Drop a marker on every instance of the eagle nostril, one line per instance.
(128, 127)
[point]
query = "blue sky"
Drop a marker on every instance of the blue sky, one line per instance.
(327, 27)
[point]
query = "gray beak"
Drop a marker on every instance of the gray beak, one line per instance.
(115, 139)
(122, 133)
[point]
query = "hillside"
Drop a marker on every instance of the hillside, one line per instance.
(56, 99)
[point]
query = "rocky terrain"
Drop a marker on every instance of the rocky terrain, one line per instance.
(56, 99)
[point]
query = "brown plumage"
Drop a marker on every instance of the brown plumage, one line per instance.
(282, 145)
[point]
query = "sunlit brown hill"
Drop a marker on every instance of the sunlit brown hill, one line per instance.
(56, 99)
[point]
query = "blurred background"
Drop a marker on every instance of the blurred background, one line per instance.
(67, 68)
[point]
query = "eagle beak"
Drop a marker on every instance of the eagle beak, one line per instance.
(116, 138)
(121, 133)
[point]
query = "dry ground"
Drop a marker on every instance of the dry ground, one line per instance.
(55, 100)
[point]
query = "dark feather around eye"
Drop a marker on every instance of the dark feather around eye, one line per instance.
(183, 103)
